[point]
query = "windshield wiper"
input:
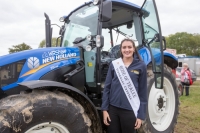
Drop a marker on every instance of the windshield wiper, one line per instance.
(155, 38)
(78, 40)
(122, 33)
(150, 28)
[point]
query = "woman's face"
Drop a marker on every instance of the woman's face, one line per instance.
(185, 67)
(127, 49)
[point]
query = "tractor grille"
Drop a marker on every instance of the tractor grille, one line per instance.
(10, 73)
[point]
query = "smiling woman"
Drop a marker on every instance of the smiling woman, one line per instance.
(125, 91)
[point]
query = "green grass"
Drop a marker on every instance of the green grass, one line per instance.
(189, 117)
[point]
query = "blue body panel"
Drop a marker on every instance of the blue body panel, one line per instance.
(146, 56)
(165, 53)
(156, 54)
(40, 61)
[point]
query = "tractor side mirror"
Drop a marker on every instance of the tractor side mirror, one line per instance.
(164, 43)
(157, 39)
(106, 11)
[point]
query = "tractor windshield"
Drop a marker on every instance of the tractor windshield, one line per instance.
(81, 23)
(150, 23)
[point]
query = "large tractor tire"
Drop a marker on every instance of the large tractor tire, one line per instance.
(163, 104)
(42, 112)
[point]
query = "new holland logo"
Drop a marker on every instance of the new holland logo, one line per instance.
(33, 62)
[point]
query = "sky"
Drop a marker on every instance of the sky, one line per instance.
(22, 21)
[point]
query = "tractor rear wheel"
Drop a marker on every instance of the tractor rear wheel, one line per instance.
(42, 111)
(163, 104)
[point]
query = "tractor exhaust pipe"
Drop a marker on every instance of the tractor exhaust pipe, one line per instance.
(48, 30)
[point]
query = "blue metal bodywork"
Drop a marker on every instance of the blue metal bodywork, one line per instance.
(40, 61)
(165, 53)
(146, 56)
(156, 53)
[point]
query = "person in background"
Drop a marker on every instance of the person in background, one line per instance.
(185, 73)
(118, 113)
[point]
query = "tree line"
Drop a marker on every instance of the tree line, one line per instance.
(24, 46)
(183, 42)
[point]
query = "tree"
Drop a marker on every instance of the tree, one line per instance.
(196, 49)
(19, 47)
(184, 43)
(53, 42)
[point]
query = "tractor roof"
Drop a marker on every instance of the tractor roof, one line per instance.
(126, 4)
(121, 3)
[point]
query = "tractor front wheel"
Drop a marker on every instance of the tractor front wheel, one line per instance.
(163, 104)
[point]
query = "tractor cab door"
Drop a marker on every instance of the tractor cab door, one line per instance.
(153, 39)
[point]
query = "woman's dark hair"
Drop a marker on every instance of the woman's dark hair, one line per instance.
(136, 51)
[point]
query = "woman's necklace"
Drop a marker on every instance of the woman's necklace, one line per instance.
(127, 62)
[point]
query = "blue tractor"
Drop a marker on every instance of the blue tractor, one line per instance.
(59, 89)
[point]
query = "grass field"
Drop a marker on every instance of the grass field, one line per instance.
(189, 117)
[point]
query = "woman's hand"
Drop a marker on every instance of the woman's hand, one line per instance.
(106, 117)
(138, 123)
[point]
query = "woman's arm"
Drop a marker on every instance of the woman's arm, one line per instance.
(142, 93)
(182, 71)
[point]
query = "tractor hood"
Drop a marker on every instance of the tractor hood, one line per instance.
(32, 64)
(44, 55)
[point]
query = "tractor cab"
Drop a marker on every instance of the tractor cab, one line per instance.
(97, 29)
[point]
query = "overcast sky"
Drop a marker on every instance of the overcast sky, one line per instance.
(23, 20)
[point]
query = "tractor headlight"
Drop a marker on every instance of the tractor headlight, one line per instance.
(99, 41)
(62, 19)
(95, 2)
(88, 48)
(89, 37)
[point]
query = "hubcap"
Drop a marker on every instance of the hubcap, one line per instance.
(161, 106)
(161, 103)
(48, 127)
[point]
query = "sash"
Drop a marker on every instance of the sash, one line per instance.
(127, 84)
